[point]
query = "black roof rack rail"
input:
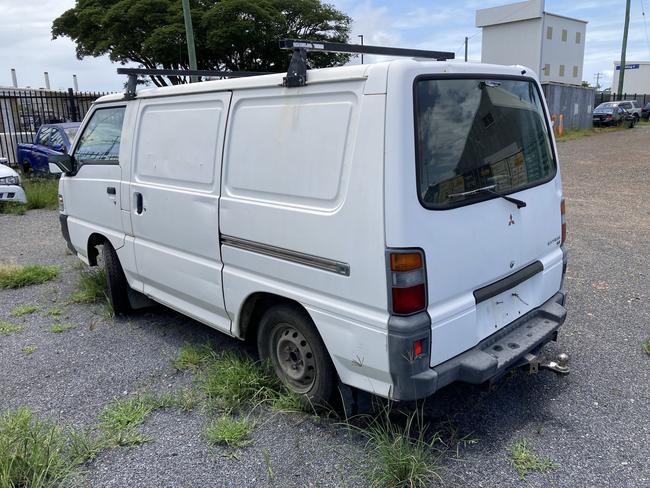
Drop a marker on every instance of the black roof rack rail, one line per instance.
(133, 74)
(297, 73)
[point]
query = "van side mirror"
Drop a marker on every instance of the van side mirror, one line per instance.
(63, 161)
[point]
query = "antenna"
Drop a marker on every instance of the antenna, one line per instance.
(133, 74)
(297, 73)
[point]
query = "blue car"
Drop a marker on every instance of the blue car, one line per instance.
(50, 138)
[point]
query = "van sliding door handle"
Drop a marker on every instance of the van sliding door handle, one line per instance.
(138, 203)
(110, 190)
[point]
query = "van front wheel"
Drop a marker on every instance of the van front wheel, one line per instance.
(288, 339)
(116, 284)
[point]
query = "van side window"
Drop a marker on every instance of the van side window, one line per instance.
(100, 141)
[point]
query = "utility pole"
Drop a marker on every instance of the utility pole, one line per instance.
(360, 36)
(189, 33)
(466, 42)
(597, 76)
(625, 29)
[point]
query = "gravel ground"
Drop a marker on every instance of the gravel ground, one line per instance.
(594, 423)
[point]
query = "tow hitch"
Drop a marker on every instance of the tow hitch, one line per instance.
(559, 365)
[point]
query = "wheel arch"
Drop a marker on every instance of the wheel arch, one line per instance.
(254, 307)
(95, 239)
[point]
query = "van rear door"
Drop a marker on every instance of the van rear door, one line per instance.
(485, 207)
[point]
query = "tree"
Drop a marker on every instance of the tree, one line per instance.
(238, 35)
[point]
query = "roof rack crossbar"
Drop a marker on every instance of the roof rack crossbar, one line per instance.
(133, 74)
(297, 73)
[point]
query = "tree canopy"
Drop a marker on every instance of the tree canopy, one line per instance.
(238, 35)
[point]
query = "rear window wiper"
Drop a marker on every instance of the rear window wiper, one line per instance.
(489, 189)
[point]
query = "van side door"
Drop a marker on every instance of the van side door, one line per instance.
(174, 191)
(92, 194)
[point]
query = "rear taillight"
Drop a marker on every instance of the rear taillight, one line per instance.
(563, 219)
(408, 291)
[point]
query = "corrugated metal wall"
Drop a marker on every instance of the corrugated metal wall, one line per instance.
(574, 102)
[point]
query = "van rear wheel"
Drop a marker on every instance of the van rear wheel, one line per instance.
(116, 284)
(288, 339)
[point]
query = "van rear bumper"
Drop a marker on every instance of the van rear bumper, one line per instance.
(488, 360)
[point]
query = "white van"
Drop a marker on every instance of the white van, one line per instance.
(398, 226)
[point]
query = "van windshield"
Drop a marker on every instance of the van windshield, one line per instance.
(473, 133)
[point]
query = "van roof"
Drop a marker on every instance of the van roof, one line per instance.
(323, 75)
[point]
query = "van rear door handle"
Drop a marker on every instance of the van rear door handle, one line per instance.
(110, 190)
(138, 203)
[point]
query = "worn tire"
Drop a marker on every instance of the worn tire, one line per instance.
(288, 338)
(116, 284)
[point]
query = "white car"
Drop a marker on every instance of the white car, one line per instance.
(349, 220)
(10, 189)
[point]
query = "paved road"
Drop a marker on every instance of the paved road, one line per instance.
(595, 423)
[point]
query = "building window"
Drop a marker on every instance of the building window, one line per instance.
(547, 70)
(578, 37)
(561, 70)
(575, 71)
(549, 32)
(564, 35)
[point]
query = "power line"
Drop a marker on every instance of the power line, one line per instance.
(645, 25)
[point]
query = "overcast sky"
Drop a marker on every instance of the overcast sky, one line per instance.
(26, 43)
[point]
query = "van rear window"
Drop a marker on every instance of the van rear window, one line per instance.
(479, 133)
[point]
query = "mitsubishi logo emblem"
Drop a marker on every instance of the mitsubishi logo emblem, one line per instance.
(511, 221)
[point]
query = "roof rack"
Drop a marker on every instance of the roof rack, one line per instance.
(297, 73)
(133, 74)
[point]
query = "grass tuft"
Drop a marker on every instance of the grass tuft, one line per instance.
(525, 460)
(28, 350)
(17, 276)
(120, 419)
(12, 208)
(91, 286)
(59, 328)
(192, 356)
(646, 346)
(42, 193)
(232, 382)
(402, 453)
(9, 328)
(54, 312)
(228, 431)
(36, 453)
(26, 309)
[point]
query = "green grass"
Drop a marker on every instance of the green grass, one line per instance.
(12, 208)
(38, 454)
(91, 286)
(571, 135)
(17, 276)
(646, 346)
(26, 309)
(120, 419)
(29, 350)
(401, 453)
(40, 193)
(524, 460)
(191, 356)
(9, 328)
(54, 312)
(233, 382)
(59, 328)
(229, 431)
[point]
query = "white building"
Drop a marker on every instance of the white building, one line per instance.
(637, 77)
(523, 33)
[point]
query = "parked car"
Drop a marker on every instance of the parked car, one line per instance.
(612, 114)
(645, 111)
(355, 228)
(10, 189)
(633, 107)
(50, 138)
